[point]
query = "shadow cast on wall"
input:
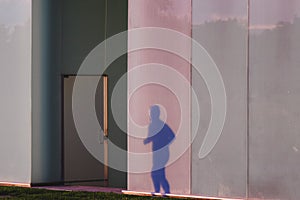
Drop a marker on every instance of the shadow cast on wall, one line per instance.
(161, 136)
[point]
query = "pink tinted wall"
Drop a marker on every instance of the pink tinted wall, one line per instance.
(173, 99)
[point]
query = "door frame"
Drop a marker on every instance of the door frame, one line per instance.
(63, 181)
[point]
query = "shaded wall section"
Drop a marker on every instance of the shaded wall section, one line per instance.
(83, 28)
(86, 24)
(117, 14)
(221, 28)
(46, 92)
(15, 87)
(174, 104)
(64, 33)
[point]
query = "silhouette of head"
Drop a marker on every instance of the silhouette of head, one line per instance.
(154, 112)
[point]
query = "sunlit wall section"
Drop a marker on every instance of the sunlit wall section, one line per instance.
(274, 99)
(221, 28)
(158, 76)
(15, 87)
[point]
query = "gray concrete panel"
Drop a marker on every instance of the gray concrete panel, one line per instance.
(222, 31)
(116, 23)
(15, 87)
(274, 100)
(83, 24)
(46, 92)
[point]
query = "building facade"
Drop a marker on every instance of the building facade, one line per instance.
(79, 79)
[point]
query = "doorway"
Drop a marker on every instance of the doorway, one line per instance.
(79, 166)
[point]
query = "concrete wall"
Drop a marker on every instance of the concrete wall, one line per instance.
(222, 30)
(274, 100)
(117, 14)
(260, 161)
(173, 97)
(15, 87)
(83, 28)
(46, 92)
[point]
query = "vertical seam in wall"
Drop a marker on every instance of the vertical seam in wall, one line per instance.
(126, 22)
(31, 95)
(127, 99)
(191, 101)
(61, 17)
(105, 32)
(62, 158)
(62, 129)
(248, 96)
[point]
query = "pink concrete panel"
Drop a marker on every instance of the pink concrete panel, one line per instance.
(173, 99)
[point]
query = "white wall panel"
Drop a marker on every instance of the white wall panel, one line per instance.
(15, 87)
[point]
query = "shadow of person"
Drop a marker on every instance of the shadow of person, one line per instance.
(161, 136)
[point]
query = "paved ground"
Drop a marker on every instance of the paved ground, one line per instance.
(82, 188)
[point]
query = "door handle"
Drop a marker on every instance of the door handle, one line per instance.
(105, 105)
